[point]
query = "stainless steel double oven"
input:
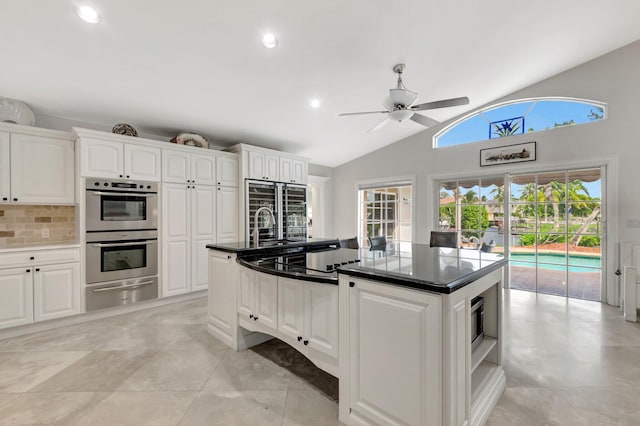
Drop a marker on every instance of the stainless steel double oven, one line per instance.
(122, 242)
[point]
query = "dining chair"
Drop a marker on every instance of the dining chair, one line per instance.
(378, 243)
(443, 239)
(351, 243)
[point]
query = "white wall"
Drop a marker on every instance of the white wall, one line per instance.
(612, 79)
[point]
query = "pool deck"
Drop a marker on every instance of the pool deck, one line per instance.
(582, 285)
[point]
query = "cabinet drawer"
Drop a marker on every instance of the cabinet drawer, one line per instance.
(39, 257)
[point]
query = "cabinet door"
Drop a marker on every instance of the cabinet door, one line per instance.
(16, 297)
(299, 171)
(142, 163)
(203, 169)
(227, 171)
(272, 167)
(56, 291)
(176, 258)
(101, 158)
(266, 308)
(290, 307)
(42, 170)
(389, 325)
(5, 168)
(256, 165)
(321, 318)
(227, 214)
(203, 232)
(286, 169)
(246, 293)
(175, 166)
(223, 316)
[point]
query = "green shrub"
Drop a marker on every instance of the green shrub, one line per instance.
(589, 241)
(528, 239)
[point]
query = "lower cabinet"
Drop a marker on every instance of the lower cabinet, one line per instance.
(258, 297)
(38, 292)
(308, 314)
(394, 346)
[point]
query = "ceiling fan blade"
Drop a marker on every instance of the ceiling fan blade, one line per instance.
(362, 113)
(379, 126)
(425, 121)
(445, 103)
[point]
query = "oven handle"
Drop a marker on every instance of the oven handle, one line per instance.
(133, 243)
(137, 194)
(122, 287)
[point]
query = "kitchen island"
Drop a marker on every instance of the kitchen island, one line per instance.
(395, 326)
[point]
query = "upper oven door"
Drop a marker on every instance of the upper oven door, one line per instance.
(121, 210)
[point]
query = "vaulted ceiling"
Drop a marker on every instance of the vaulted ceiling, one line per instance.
(197, 65)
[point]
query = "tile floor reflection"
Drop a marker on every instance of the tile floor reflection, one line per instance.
(568, 362)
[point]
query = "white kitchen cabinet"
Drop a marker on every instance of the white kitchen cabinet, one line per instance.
(36, 169)
(183, 167)
(227, 170)
(188, 218)
(308, 313)
(56, 291)
(39, 285)
(5, 167)
(16, 297)
(264, 166)
(258, 298)
(286, 169)
(299, 171)
(223, 312)
(116, 160)
(227, 214)
(387, 324)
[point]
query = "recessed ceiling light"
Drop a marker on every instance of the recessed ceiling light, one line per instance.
(269, 40)
(88, 14)
(315, 103)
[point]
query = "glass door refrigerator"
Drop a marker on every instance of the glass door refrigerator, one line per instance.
(288, 202)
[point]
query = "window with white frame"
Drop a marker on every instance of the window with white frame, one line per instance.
(385, 210)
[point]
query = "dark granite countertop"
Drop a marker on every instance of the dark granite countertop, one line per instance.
(441, 270)
(244, 248)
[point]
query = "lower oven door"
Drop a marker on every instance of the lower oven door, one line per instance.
(120, 260)
(105, 295)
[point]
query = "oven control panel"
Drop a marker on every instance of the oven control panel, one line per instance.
(105, 185)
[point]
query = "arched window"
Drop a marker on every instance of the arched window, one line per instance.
(521, 116)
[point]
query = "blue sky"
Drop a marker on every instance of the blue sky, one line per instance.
(544, 114)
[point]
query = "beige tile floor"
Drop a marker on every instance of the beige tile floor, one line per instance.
(568, 362)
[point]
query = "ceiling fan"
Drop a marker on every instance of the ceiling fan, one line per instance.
(399, 105)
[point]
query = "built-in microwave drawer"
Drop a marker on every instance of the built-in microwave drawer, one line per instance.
(105, 295)
(39, 257)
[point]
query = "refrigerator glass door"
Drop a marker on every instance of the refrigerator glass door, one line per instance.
(295, 212)
(262, 194)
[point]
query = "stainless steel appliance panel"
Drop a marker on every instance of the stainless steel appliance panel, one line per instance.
(121, 255)
(477, 321)
(262, 194)
(294, 225)
(121, 205)
(105, 295)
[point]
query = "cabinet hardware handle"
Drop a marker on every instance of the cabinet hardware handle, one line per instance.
(127, 176)
(32, 258)
(120, 175)
(218, 189)
(5, 199)
(255, 318)
(299, 338)
(218, 183)
(37, 269)
(251, 316)
(228, 257)
(28, 270)
(352, 284)
(306, 342)
(15, 199)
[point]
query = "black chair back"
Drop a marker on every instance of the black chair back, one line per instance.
(443, 239)
(378, 243)
(351, 243)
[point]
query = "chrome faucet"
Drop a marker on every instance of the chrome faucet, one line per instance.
(256, 232)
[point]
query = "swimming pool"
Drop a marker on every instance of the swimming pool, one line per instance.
(557, 261)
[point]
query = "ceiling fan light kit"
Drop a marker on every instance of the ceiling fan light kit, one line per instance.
(400, 105)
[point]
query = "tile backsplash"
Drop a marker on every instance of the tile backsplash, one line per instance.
(23, 226)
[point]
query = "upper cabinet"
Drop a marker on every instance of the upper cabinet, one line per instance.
(183, 167)
(117, 160)
(36, 169)
(226, 170)
(265, 164)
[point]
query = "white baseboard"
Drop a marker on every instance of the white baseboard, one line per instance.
(91, 316)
